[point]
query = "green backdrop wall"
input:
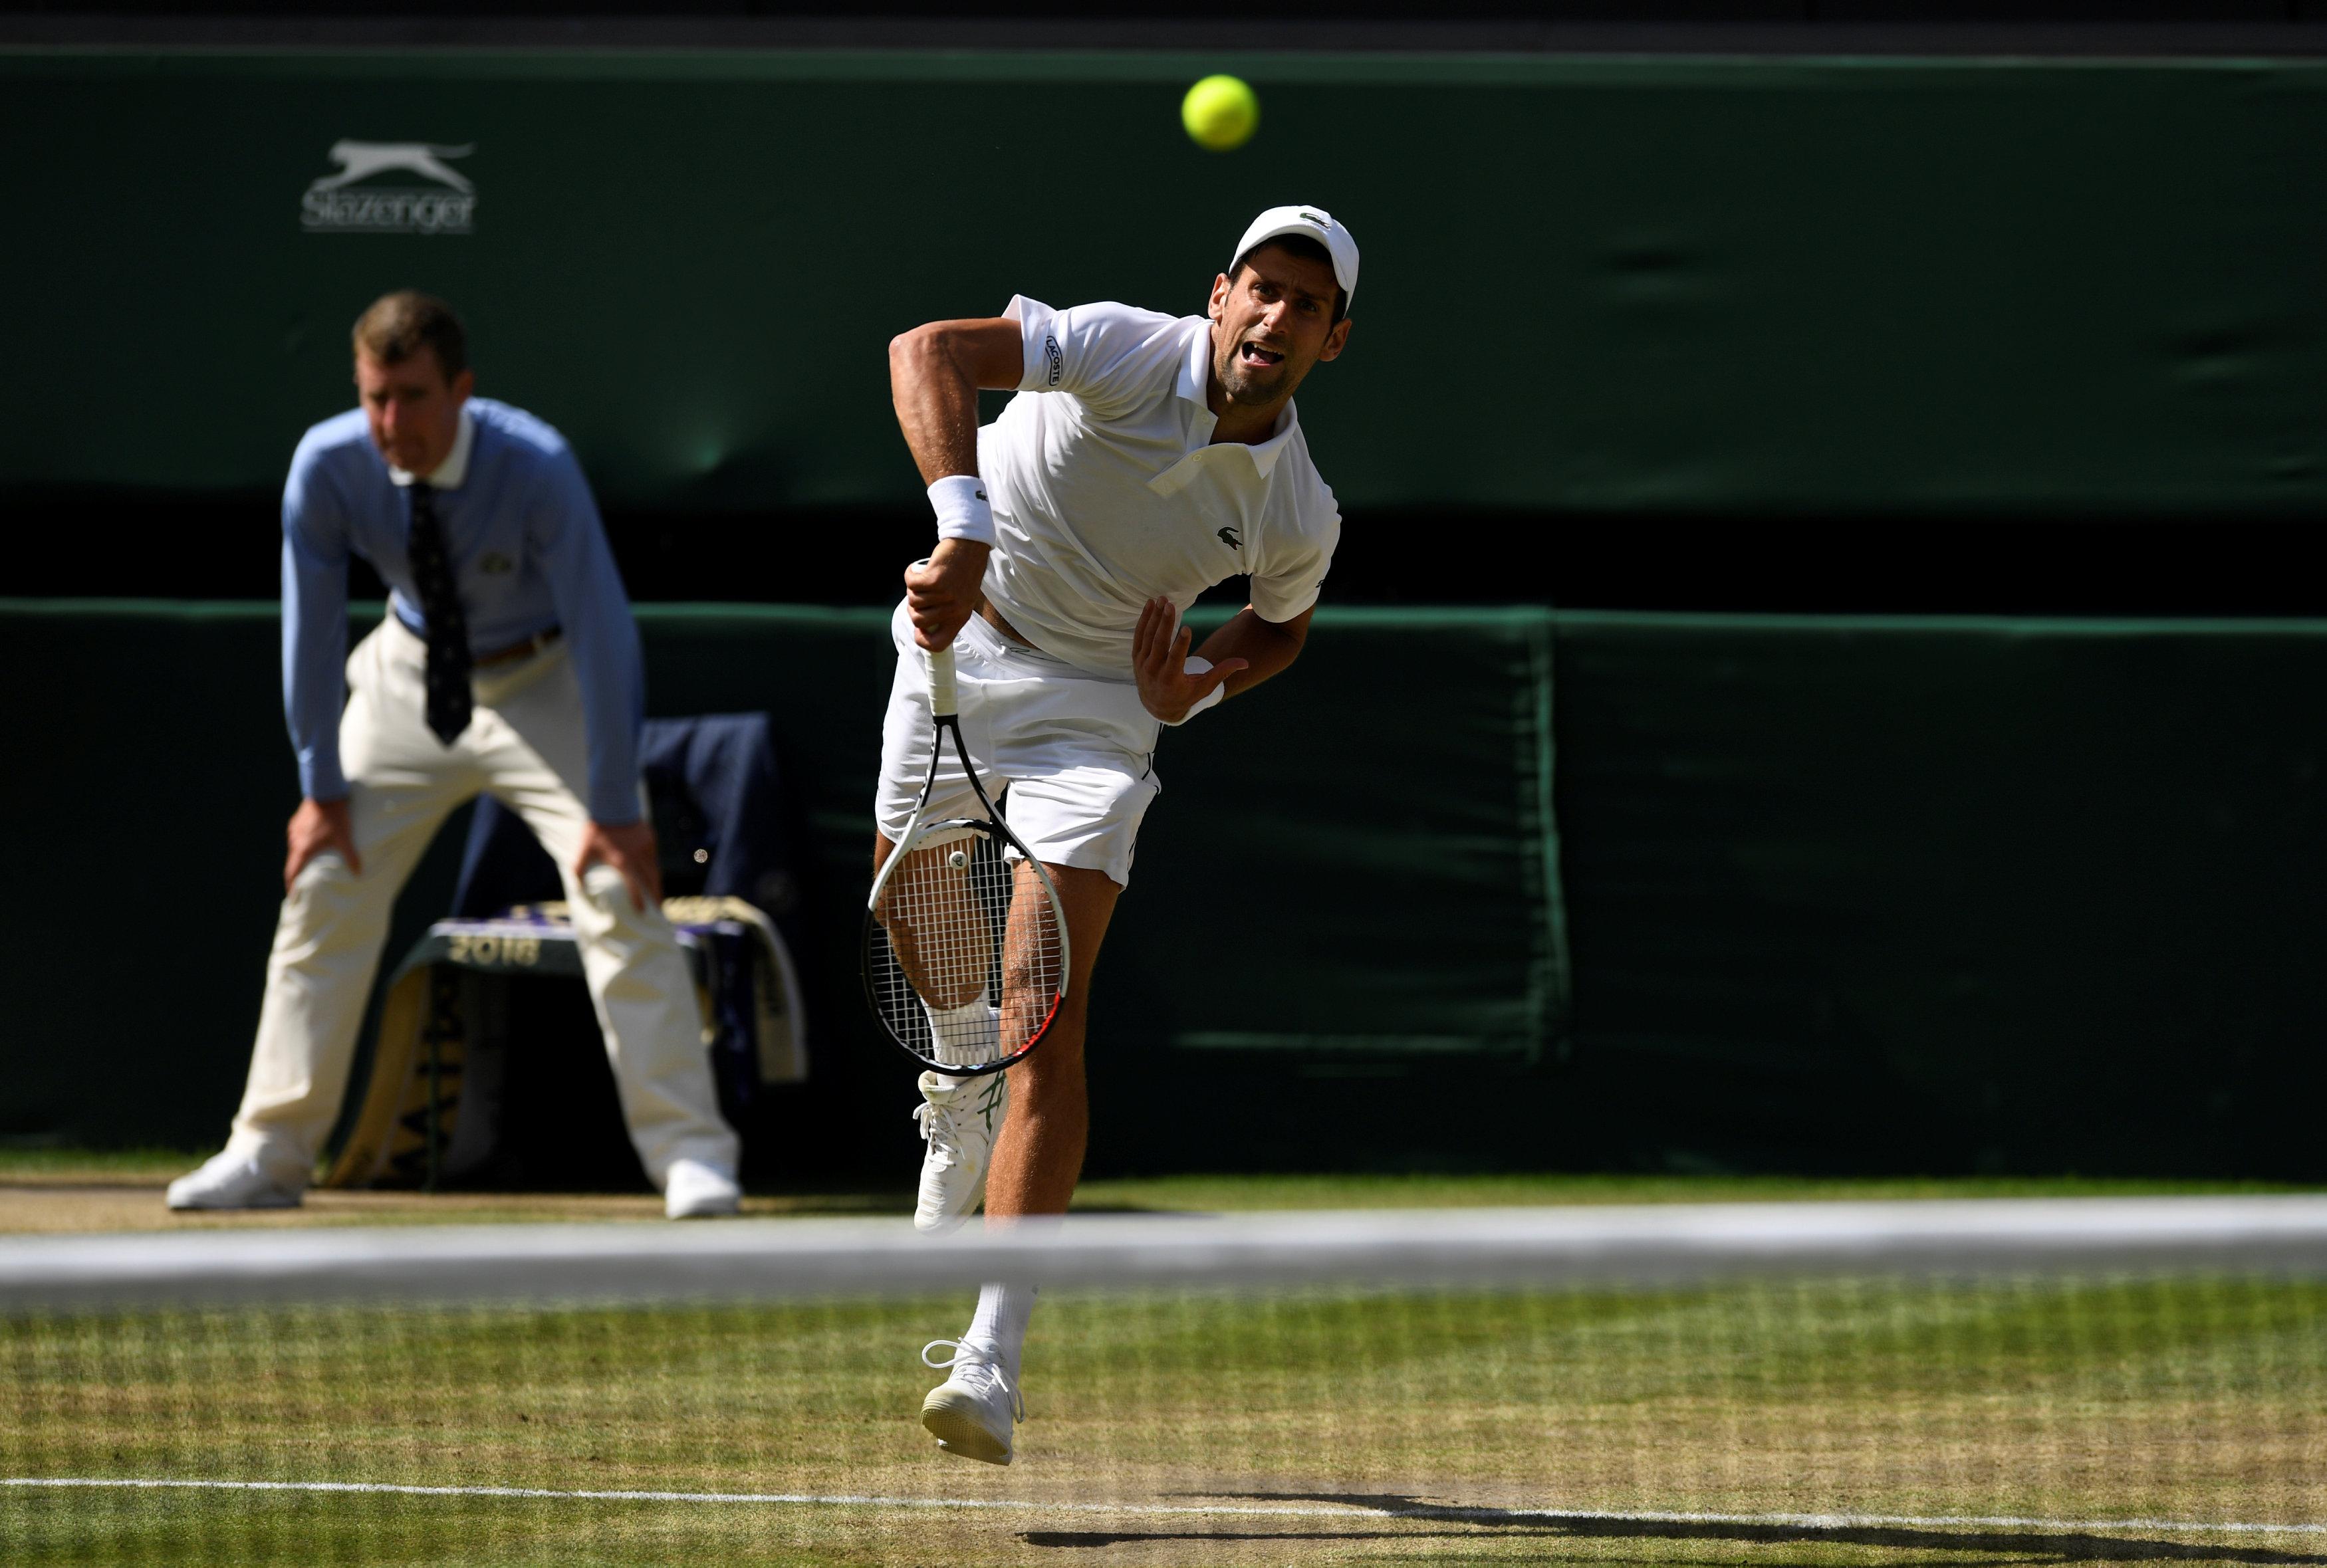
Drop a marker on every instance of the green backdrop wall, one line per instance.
(1831, 894)
(1609, 284)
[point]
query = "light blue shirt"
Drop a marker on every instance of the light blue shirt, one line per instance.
(529, 553)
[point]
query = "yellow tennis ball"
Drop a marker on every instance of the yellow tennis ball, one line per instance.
(1221, 113)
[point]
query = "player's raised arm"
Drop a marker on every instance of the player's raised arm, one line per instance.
(935, 373)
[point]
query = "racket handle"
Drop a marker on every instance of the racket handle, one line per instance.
(943, 700)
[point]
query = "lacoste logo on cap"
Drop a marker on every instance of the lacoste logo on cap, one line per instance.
(1318, 219)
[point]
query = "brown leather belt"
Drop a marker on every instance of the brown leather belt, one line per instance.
(517, 651)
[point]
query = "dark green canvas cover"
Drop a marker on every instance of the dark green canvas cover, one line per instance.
(1823, 893)
(1614, 285)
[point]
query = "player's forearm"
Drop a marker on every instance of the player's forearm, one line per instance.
(935, 390)
(1267, 648)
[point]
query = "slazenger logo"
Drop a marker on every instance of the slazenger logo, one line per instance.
(341, 203)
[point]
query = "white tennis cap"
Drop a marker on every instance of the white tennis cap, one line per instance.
(1317, 224)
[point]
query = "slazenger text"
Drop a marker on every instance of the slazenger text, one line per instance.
(389, 210)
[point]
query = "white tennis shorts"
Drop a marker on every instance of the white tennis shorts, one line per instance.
(1076, 751)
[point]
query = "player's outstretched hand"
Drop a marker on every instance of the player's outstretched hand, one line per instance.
(942, 592)
(1159, 662)
(629, 849)
(316, 826)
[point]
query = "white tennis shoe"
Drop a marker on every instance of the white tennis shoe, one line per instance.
(692, 1189)
(975, 1412)
(231, 1180)
(959, 1126)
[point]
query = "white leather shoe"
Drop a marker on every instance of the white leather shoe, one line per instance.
(232, 1181)
(959, 1125)
(694, 1190)
(975, 1412)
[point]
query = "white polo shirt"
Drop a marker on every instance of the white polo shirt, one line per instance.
(1107, 490)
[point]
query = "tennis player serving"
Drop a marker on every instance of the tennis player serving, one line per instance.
(1147, 458)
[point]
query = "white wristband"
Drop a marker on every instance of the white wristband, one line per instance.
(962, 508)
(1211, 699)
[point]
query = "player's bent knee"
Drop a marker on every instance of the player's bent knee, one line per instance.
(1053, 1067)
(1062, 1041)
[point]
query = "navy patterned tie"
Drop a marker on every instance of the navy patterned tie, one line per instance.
(450, 703)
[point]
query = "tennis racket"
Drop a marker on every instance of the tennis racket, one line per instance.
(965, 940)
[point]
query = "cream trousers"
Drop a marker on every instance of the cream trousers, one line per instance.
(526, 747)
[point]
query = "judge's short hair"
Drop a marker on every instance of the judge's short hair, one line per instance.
(396, 326)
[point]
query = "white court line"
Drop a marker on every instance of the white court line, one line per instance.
(1353, 1510)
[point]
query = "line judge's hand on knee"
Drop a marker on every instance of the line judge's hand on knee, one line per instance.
(942, 593)
(316, 826)
(629, 849)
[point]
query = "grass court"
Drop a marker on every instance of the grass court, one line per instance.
(1855, 1422)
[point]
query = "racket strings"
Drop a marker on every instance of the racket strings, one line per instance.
(965, 961)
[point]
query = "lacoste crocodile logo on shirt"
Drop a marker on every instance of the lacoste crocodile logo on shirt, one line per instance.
(1229, 537)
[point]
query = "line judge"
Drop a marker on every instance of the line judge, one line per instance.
(508, 663)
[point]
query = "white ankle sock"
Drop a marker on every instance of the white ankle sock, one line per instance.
(999, 1327)
(975, 1023)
